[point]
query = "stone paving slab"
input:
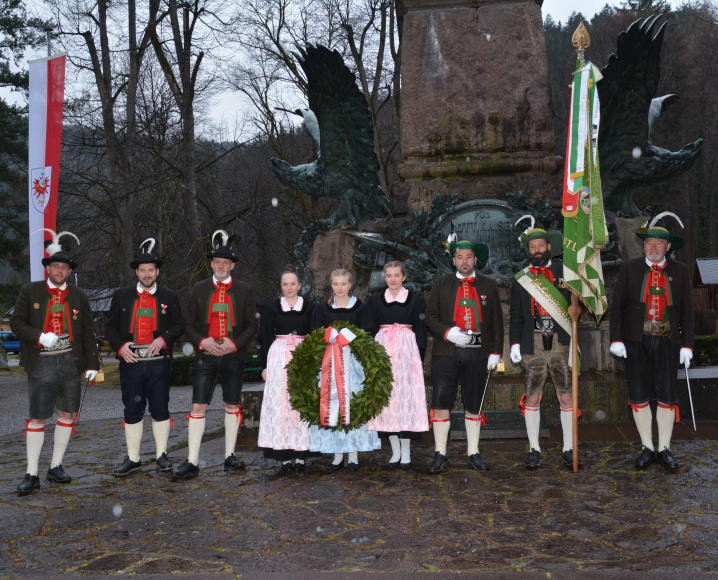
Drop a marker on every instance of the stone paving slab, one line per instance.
(607, 520)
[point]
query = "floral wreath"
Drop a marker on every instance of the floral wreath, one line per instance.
(303, 370)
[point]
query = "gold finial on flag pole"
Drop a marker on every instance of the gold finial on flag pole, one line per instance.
(581, 40)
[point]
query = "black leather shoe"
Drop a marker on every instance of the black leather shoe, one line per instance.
(29, 484)
(126, 467)
(58, 475)
(353, 466)
(300, 466)
(163, 463)
(231, 463)
(667, 460)
(439, 463)
(477, 462)
(287, 467)
(185, 470)
(405, 466)
(646, 458)
(334, 467)
(533, 460)
(567, 457)
(392, 464)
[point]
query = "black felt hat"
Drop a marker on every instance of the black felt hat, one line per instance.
(55, 252)
(146, 256)
(221, 247)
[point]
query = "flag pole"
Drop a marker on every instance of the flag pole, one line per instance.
(575, 313)
(581, 41)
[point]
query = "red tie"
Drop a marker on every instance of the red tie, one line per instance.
(543, 270)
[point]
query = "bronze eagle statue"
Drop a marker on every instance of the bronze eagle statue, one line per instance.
(628, 112)
(338, 122)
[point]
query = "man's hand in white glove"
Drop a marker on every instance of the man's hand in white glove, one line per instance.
(515, 354)
(493, 362)
(457, 337)
(48, 339)
(618, 349)
(685, 356)
(90, 375)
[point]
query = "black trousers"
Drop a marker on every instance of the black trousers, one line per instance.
(651, 367)
(143, 383)
(466, 366)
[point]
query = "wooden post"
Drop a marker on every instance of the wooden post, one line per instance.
(575, 313)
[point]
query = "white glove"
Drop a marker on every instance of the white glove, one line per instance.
(493, 362)
(457, 337)
(90, 375)
(515, 354)
(48, 339)
(618, 349)
(685, 357)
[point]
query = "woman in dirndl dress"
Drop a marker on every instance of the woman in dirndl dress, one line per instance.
(343, 306)
(285, 321)
(399, 315)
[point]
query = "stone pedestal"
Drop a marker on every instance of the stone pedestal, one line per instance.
(335, 249)
(475, 114)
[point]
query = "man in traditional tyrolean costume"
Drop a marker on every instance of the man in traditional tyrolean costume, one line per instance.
(143, 323)
(539, 328)
(220, 322)
(652, 328)
(53, 320)
(463, 312)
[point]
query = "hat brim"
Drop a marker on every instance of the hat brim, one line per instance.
(134, 264)
(481, 252)
(553, 237)
(227, 255)
(676, 241)
(69, 261)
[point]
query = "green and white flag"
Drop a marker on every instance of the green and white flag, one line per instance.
(584, 226)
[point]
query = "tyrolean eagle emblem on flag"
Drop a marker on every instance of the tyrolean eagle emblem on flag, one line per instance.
(41, 178)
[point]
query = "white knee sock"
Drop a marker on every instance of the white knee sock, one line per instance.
(161, 432)
(35, 433)
(231, 428)
(567, 428)
(441, 430)
(63, 431)
(395, 448)
(353, 457)
(338, 458)
(473, 430)
(133, 436)
(195, 430)
(665, 418)
(405, 450)
(643, 417)
(532, 417)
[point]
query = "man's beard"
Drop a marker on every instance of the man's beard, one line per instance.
(539, 259)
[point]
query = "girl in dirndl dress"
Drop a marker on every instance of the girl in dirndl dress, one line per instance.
(399, 315)
(343, 306)
(284, 322)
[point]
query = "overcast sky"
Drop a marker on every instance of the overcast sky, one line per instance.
(561, 9)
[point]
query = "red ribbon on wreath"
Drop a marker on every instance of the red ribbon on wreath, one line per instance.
(333, 366)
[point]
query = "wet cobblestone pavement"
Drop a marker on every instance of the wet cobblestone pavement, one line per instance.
(608, 519)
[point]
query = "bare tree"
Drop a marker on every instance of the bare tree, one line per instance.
(93, 38)
(182, 34)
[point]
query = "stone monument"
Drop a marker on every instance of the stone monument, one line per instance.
(475, 114)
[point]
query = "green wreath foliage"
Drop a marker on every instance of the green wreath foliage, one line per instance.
(303, 371)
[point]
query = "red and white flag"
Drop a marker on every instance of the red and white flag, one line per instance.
(47, 94)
